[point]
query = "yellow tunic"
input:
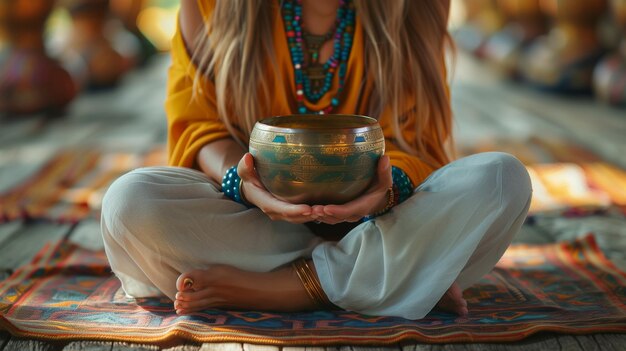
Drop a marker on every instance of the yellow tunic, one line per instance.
(194, 122)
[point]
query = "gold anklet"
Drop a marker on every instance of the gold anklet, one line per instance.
(311, 283)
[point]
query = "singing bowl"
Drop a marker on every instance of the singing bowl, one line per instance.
(317, 159)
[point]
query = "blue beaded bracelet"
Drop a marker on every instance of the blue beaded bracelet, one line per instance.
(231, 185)
(402, 190)
(402, 183)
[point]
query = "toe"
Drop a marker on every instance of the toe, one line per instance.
(183, 296)
(197, 304)
(463, 312)
(190, 281)
(186, 307)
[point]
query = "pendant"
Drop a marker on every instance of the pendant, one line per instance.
(316, 74)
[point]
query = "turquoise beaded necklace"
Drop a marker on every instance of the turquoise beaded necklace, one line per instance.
(342, 43)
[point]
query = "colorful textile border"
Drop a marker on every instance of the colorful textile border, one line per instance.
(68, 293)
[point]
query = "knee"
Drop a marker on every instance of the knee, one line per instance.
(127, 204)
(516, 185)
(515, 188)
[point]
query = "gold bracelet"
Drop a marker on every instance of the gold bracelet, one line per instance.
(311, 284)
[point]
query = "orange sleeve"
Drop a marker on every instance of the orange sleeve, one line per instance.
(192, 121)
(413, 166)
(416, 169)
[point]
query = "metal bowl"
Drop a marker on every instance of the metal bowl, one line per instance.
(317, 159)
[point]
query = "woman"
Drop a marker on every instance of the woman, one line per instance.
(437, 226)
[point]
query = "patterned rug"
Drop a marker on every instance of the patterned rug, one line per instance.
(566, 178)
(69, 293)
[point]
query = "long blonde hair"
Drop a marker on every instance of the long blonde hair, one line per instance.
(405, 41)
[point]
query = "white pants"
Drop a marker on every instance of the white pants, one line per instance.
(160, 222)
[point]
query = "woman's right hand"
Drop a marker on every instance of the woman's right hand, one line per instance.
(253, 192)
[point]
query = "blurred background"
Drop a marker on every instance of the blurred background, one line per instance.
(560, 46)
(53, 50)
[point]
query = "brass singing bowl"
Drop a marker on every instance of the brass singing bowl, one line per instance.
(317, 159)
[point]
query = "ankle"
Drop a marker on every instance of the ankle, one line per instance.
(305, 271)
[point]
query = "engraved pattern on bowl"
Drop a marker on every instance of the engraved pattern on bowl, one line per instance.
(317, 159)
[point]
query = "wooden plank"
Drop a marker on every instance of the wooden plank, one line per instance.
(222, 347)
(183, 348)
(87, 234)
(4, 339)
(477, 85)
(14, 131)
(4, 274)
(587, 342)
(123, 346)
(28, 241)
(18, 344)
(13, 174)
(541, 342)
(302, 348)
(534, 343)
(375, 348)
(254, 347)
(89, 346)
(309, 348)
(8, 230)
(463, 347)
(610, 342)
(421, 347)
(577, 343)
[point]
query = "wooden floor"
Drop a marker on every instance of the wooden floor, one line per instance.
(131, 117)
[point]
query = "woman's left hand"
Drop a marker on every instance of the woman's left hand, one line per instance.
(373, 200)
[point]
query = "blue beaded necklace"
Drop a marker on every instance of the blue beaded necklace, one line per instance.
(342, 43)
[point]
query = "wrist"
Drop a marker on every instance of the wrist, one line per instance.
(402, 183)
(391, 199)
(400, 191)
(231, 186)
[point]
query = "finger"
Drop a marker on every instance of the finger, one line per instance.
(361, 206)
(275, 208)
(330, 220)
(292, 219)
(317, 211)
(354, 219)
(366, 203)
(335, 220)
(246, 171)
(291, 214)
(384, 179)
(256, 194)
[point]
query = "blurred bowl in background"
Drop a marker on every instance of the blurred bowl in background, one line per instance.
(317, 159)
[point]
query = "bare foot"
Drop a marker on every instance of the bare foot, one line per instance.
(221, 286)
(453, 301)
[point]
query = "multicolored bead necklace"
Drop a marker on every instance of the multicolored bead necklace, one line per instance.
(314, 69)
(342, 43)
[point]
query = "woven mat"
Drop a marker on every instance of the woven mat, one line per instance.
(69, 293)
